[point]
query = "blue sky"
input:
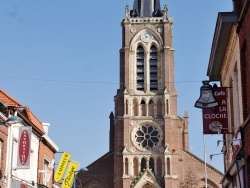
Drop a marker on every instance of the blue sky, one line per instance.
(61, 58)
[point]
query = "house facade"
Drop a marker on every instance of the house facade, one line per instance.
(229, 64)
(27, 152)
(149, 141)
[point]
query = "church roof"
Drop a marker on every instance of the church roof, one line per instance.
(203, 162)
(99, 172)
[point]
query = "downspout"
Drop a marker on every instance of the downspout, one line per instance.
(38, 157)
(39, 145)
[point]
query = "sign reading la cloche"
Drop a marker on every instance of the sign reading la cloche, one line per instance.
(215, 120)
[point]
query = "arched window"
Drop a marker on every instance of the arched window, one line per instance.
(135, 167)
(143, 164)
(159, 108)
(151, 108)
(168, 166)
(126, 166)
(153, 69)
(159, 166)
(152, 164)
(143, 108)
(135, 107)
(140, 68)
(126, 107)
(167, 106)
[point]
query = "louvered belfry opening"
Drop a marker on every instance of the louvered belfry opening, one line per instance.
(140, 68)
(153, 69)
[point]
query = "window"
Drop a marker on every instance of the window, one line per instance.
(147, 137)
(126, 166)
(159, 167)
(135, 107)
(168, 166)
(159, 108)
(153, 69)
(47, 172)
(143, 108)
(140, 68)
(143, 164)
(135, 162)
(167, 106)
(126, 107)
(151, 108)
(152, 164)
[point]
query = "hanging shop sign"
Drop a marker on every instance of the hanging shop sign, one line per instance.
(215, 120)
(23, 157)
(69, 178)
(62, 166)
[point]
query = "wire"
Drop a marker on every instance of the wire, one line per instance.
(60, 81)
(82, 82)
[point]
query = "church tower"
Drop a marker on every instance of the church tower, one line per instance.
(148, 133)
(149, 146)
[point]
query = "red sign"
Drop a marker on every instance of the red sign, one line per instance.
(24, 147)
(215, 120)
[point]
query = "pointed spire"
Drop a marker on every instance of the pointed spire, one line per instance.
(134, 13)
(146, 8)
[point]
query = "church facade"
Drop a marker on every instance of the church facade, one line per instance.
(149, 144)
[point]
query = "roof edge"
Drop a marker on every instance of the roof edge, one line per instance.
(202, 161)
(224, 23)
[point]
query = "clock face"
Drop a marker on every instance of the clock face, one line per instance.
(146, 37)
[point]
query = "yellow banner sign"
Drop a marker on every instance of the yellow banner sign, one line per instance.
(62, 166)
(68, 180)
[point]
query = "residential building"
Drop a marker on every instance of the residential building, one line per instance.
(229, 64)
(241, 7)
(27, 152)
(149, 142)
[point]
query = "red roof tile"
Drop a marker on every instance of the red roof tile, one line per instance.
(33, 119)
(9, 101)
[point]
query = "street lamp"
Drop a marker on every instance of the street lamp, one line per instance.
(12, 120)
(76, 172)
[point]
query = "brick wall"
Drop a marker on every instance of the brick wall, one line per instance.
(44, 153)
(3, 139)
(244, 38)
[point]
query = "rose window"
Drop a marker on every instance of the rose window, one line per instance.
(147, 137)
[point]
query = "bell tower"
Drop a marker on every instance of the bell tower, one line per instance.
(148, 134)
(149, 146)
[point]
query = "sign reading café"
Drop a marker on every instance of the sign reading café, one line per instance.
(215, 120)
